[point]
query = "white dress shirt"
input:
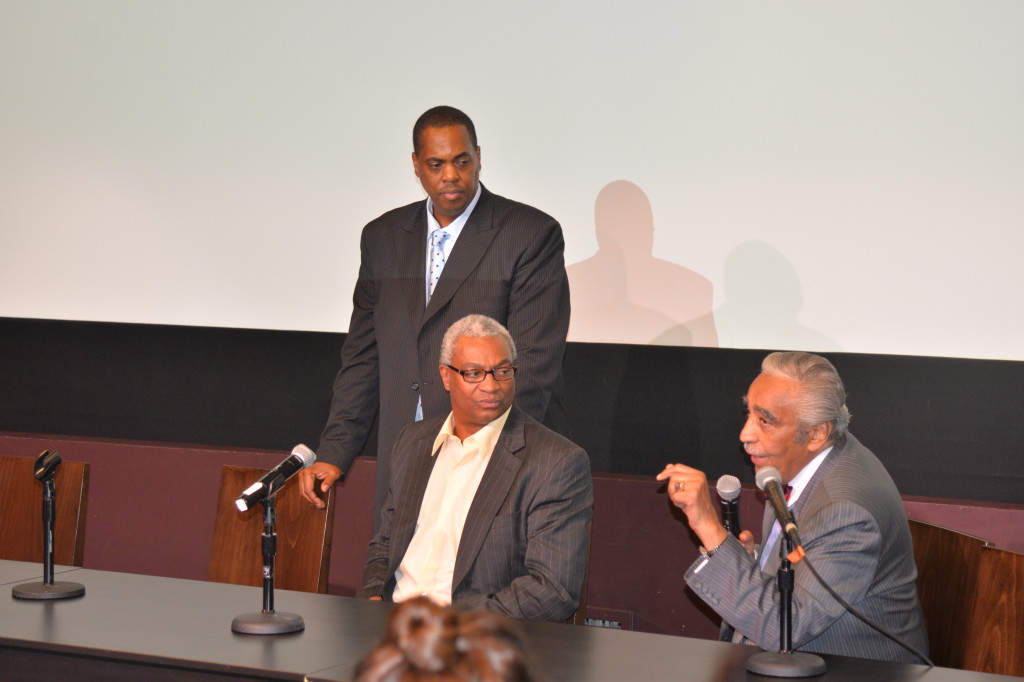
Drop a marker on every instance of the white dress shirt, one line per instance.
(798, 484)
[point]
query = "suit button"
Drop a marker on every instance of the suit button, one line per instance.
(415, 386)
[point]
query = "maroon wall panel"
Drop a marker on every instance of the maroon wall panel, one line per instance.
(152, 507)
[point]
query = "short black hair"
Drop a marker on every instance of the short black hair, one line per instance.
(441, 117)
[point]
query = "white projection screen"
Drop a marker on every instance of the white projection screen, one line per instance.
(830, 176)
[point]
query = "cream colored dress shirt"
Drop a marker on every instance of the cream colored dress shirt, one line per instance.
(429, 563)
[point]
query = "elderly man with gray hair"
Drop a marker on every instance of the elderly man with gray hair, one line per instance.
(486, 508)
(851, 521)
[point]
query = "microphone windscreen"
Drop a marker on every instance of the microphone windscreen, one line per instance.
(305, 454)
(728, 487)
(767, 474)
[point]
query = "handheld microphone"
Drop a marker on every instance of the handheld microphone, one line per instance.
(728, 488)
(770, 481)
(46, 465)
(275, 479)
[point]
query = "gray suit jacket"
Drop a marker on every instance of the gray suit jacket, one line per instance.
(524, 548)
(507, 264)
(855, 532)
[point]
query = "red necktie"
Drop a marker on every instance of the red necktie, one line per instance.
(786, 490)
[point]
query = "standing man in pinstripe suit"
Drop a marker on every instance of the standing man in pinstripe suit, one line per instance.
(486, 509)
(851, 518)
(423, 266)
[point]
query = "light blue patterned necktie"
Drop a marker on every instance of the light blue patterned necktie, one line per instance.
(437, 240)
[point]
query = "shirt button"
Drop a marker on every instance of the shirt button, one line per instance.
(415, 386)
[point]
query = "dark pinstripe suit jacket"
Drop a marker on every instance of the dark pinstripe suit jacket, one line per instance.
(524, 547)
(854, 529)
(507, 264)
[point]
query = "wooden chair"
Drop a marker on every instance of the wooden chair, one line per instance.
(947, 581)
(21, 519)
(579, 617)
(303, 536)
(997, 623)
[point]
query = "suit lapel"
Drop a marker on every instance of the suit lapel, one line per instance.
(413, 485)
(469, 249)
(773, 562)
(412, 257)
(494, 488)
(807, 495)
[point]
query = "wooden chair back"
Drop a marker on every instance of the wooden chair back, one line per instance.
(303, 533)
(21, 520)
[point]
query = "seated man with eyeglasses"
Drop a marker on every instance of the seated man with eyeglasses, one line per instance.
(487, 509)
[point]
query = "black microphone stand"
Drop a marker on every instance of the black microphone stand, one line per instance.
(268, 621)
(45, 470)
(785, 662)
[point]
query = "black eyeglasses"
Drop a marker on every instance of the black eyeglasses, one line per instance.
(475, 376)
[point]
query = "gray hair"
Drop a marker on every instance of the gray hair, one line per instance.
(474, 326)
(823, 398)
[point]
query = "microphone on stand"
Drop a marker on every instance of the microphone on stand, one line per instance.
(785, 662)
(268, 621)
(45, 467)
(45, 471)
(770, 481)
(274, 480)
(728, 488)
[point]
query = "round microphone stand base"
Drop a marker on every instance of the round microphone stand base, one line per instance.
(54, 590)
(780, 664)
(262, 623)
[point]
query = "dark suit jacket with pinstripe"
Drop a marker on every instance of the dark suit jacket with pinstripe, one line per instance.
(524, 548)
(854, 529)
(507, 264)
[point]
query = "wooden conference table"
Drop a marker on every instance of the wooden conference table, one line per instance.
(135, 627)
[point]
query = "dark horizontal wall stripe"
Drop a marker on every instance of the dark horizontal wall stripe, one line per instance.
(945, 427)
(211, 386)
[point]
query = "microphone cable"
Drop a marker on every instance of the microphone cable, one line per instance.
(861, 617)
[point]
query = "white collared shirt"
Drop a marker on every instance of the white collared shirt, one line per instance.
(798, 485)
(429, 563)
